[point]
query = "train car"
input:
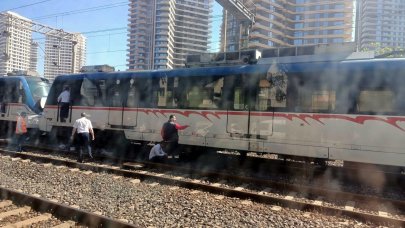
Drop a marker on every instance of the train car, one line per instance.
(332, 110)
(21, 94)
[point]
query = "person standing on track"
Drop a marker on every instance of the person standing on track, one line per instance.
(170, 135)
(21, 130)
(64, 101)
(84, 129)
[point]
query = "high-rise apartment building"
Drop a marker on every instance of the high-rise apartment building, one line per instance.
(64, 56)
(381, 22)
(284, 23)
(163, 32)
(15, 43)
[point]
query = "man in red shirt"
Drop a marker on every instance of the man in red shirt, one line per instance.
(170, 135)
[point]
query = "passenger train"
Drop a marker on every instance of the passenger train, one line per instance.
(21, 94)
(352, 110)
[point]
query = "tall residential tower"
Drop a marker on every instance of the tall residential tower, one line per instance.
(381, 22)
(64, 56)
(283, 23)
(163, 32)
(16, 48)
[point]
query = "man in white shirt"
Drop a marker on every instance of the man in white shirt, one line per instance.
(157, 154)
(64, 101)
(84, 129)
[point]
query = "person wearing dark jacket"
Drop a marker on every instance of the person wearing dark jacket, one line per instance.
(170, 135)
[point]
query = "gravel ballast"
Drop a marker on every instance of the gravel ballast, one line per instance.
(150, 204)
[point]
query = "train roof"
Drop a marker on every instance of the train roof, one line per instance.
(21, 77)
(368, 64)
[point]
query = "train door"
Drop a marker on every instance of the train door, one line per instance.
(131, 101)
(116, 90)
(270, 94)
(64, 114)
(238, 109)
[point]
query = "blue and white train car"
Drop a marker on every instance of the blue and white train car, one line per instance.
(350, 110)
(21, 94)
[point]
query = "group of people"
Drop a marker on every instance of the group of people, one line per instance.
(170, 143)
(82, 128)
(84, 132)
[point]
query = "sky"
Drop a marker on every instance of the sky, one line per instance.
(102, 22)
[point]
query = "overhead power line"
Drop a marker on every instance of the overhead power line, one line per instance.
(24, 6)
(85, 10)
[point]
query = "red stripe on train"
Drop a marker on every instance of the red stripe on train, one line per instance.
(393, 121)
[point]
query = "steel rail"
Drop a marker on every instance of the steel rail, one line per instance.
(262, 198)
(61, 211)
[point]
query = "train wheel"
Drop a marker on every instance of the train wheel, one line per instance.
(242, 157)
(320, 162)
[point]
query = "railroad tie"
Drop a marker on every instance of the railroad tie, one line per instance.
(265, 191)
(17, 211)
(291, 196)
(178, 178)
(15, 159)
(350, 206)
(382, 211)
(67, 224)
(241, 188)
(135, 181)
(318, 201)
(87, 172)
(29, 222)
(194, 192)
(276, 208)
(6, 203)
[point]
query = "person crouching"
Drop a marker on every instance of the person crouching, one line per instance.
(157, 154)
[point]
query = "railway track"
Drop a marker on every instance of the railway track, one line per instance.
(382, 211)
(18, 209)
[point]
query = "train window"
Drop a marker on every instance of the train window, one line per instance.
(39, 88)
(239, 99)
(133, 95)
(376, 101)
(167, 88)
(12, 94)
(200, 93)
(317, 100)
(323, 100)
(115, 92)
(263, 101)
(93, 92)
(2, 91)
(309, 95)
(148, 95)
